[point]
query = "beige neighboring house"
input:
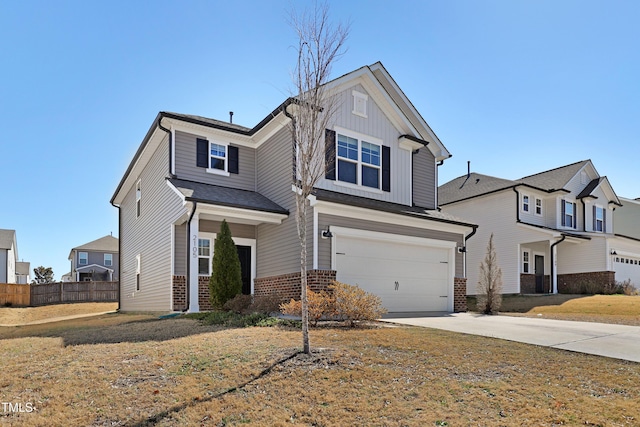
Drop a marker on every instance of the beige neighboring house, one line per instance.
(94, 261)
(552, 230)
(373, 218)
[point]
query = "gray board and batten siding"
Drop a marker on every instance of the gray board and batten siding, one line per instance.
(378, 126)
(150, 236)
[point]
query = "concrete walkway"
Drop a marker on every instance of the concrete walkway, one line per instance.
(616, 341)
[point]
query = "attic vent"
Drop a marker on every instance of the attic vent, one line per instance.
(359, 103)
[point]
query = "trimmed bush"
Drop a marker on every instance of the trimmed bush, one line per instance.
(321, 304)
(226, 277)
(246, 304)
(353, 304)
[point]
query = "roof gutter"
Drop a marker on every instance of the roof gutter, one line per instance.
(170, 134)
(188, 280)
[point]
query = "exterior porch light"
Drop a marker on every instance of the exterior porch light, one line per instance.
(327, 234)
(613, 252)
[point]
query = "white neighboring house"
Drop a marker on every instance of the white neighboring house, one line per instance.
(552, 230)
(23, 272)
(94, 261)
(8, 256)
(627, 254)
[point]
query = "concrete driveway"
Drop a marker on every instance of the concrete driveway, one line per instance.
(616, 341)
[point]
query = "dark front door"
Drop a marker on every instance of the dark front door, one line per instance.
(244, 253)
(539, 271)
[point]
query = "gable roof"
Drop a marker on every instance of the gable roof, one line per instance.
(376, 74)
(7, 239)
(474, 185)
(103, 244)
(23, 267)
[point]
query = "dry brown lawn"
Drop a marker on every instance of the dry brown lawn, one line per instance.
(133, 370)
(20, 316)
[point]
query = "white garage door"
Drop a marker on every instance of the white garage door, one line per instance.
(626, 268)
(407, 276)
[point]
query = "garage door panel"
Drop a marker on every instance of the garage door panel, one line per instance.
(407, 277)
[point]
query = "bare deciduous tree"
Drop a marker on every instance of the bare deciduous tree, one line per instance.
(319, 45)
(490, 282)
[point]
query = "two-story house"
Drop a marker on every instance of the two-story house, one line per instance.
(551, 230)
(627, 257)
(95, 261)
(8, 256)
(373, 220)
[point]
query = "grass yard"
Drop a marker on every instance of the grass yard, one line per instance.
(137, 370)
(618, 309)
(23, 315)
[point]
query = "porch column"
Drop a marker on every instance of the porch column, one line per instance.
(194, 307)
(554, 268)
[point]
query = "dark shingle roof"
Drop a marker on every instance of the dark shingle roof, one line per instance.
(379, 205)
(208, 122)
(225, 196)
(474, 184)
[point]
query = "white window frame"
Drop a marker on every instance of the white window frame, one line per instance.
(526, 203)
(359, 103)
(537, 207)
(600, 221)
(526, 261)
(574, 222)
(359, 162)
(80, 258)
(108, 257)
(212, 239)
(225, 158)
(138, 265)
(138, 198)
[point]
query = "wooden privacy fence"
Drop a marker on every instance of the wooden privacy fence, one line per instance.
(57, 293)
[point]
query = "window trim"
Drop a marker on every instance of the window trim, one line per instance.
(526, 203)
(360, 138)
(138, 198)
(110, 260)
(563, 213)
(212, 239)
(86, 262)
(526, 262)
(536, 206)
(602, 221)
(225, 171)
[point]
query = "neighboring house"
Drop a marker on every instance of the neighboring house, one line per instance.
(23, 272)
(373, 219)
(628, 218)
(551, 230)
(95, 261)
(627, 258)
(8, 256)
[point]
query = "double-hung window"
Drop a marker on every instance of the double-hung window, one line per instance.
(83, 258)
(525, 203)
(538, 206)
(217, 156)
(204, 256)
(138, 198)
(525, 262)
(108, 260)
(358, 161)
(598, 218)
(569, 218)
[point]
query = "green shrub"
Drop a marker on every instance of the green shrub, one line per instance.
(226, 277)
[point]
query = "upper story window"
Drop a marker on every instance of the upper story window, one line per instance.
(83, 258)
(568, 213)
(358, 161)
(108, 260)
(216, 157)
(138, 198)
(599, 218)
(525, 203)
(359, 103)
(538, 206)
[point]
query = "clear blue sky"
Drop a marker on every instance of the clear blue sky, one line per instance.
(516, 87)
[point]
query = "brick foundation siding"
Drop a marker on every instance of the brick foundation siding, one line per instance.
(204, 296)
(460, 294)
(592, 282)
(287, 286)
(528, 284)
(179, 293)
